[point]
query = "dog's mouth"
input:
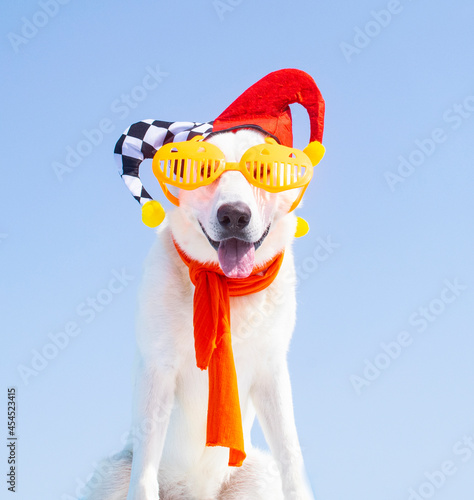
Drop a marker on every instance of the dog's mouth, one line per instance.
(236, 256)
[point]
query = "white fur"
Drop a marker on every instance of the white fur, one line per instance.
(167, 443)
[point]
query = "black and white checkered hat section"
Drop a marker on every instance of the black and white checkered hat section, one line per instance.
(141, 140)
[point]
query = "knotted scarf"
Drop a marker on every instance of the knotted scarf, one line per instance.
(213, 345)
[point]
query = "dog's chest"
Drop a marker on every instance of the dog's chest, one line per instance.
(261, 325)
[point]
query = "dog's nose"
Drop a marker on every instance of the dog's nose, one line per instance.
(234, 215)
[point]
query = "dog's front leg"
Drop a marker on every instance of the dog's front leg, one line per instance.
(271, 395)
(154, 397)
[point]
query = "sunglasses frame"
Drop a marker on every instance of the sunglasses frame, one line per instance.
(254, 166)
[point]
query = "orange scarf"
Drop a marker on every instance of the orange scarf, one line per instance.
(213, 344)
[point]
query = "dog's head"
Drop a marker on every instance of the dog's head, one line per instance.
(235, 198)
(231, 221)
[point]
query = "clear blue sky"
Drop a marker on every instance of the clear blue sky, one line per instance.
(394, 195)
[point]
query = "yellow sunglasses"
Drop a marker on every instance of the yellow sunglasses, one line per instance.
(270, 166)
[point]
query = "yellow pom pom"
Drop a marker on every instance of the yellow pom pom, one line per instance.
(302, 227)
(315, 151)
(153, 213)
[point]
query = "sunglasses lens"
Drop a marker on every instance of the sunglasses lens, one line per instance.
(188, 171)
(205, 170)
(277, 168)
(260, 172)
(276, 174)
(188, 164)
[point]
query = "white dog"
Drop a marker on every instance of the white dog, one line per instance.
(166, 457)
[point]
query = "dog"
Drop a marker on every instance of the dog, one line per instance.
(236, 226)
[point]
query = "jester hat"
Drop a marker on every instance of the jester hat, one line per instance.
(264, 107)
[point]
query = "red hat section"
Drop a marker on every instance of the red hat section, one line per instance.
(265, 105)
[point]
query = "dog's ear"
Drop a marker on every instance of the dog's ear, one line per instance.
(141, 141)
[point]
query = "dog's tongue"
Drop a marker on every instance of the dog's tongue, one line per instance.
(236, 257)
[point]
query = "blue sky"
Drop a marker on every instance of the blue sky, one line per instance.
(382, 356)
